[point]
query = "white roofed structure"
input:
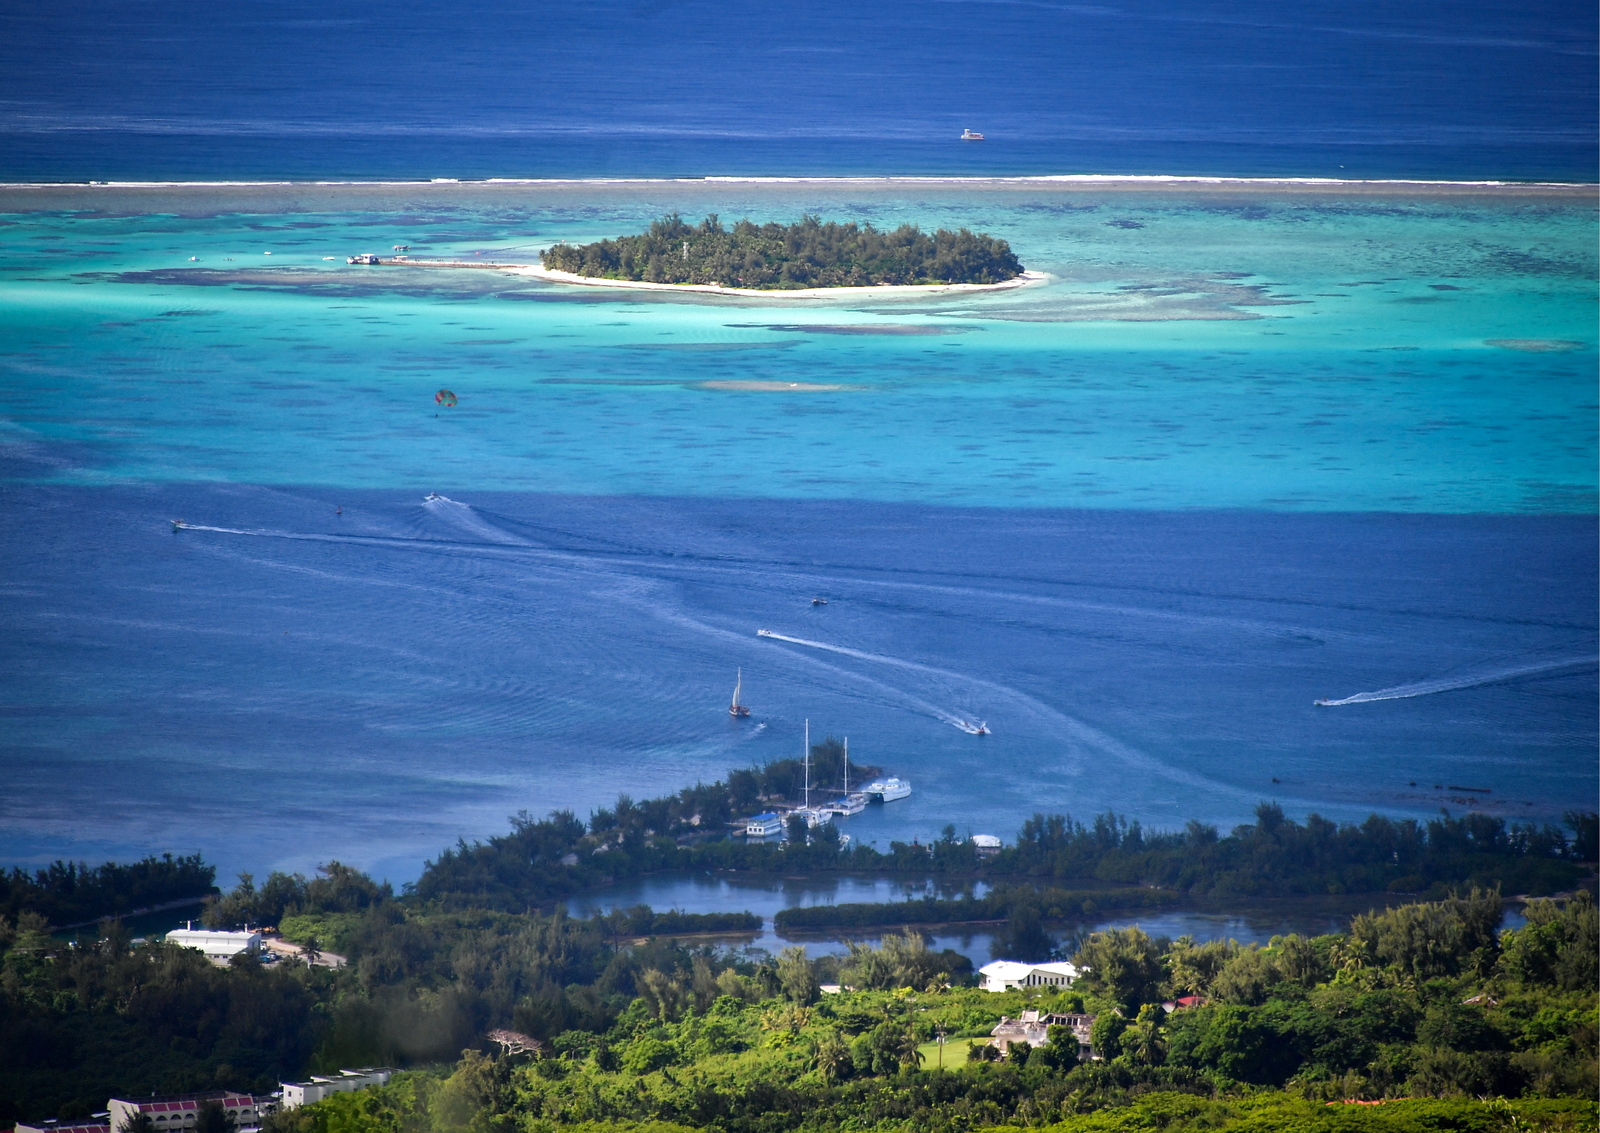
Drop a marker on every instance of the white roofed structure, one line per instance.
(218, 945)
(1006, 975)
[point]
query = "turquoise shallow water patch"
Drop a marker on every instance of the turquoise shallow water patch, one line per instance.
(1310, 352)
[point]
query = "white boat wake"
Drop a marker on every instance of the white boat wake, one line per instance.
(465, 517)
(1084, 735)
(1450, 684)
(972, 729)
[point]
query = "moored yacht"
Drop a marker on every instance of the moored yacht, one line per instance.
(887, 790)
(853, 802)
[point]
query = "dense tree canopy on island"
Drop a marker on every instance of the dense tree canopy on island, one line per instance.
(786, 257)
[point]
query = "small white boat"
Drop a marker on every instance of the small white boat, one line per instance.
(887, 790)
(814, 816)
(853, 803)
(981, 728)
(737, 710)
(971, 136)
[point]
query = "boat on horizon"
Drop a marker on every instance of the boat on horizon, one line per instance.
(971, 136)
(735, 709)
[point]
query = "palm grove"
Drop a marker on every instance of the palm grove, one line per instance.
(786, 257)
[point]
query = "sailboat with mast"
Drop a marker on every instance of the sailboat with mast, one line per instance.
(813, 815)
(850, 803)
(736, 710)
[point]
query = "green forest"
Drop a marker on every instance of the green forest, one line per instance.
(541, 860)
(646, 1018)
(786, 257)
(1475, 1027)
(76, 893)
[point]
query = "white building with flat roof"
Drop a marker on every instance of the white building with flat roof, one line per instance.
(318, 1086)
(1006, 975)
(218, 945)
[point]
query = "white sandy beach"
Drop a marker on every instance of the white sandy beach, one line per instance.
(885, 290)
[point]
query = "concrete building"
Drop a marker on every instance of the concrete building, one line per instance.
(317, 1087)
(179, 1111)
(99, 1123)
(1034, 1029)
(1005, 975)
(763, 825)
(219, 946)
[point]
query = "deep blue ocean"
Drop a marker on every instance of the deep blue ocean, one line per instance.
(1461, 89)
(1248, 447)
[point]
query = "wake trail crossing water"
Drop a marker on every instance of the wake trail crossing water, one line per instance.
(1084, 734)
(1450, 684)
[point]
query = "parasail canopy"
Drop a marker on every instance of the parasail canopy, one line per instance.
(445, 398)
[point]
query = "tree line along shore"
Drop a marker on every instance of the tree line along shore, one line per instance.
(637, 1025)
(777, 257)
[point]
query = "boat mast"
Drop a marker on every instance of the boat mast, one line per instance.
(847, 765)
(808, 764)
(737, 685)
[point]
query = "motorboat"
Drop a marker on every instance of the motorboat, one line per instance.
(980, 728)
(887, 790)
(971, 136)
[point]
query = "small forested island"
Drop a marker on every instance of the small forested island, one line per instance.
(778, 257)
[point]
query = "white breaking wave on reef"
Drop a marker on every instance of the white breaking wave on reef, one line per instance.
(1450, 684)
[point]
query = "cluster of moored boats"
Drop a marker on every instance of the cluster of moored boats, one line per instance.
(847, 803)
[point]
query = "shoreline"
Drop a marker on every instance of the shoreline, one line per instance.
(886, 290)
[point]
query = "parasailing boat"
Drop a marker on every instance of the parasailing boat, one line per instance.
(735, 709)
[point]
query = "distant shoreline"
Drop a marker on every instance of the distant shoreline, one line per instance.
(1093, 180)
(320, 195)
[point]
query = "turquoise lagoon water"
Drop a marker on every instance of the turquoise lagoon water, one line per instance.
(1243, 449)
(1208, 350)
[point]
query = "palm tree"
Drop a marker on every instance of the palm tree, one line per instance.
(831, 1056)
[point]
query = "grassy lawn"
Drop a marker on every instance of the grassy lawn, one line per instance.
(955, 1054)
